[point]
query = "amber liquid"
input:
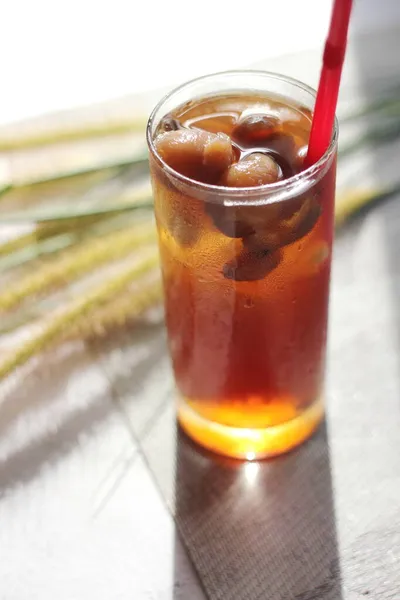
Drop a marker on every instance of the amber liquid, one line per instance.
(248, 351)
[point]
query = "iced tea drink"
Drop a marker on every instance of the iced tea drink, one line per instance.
(245, 237)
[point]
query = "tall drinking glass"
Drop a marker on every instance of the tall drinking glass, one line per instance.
(246, 272)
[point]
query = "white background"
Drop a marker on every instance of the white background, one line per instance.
(62, 54)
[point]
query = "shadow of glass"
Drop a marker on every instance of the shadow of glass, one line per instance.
(259, 530)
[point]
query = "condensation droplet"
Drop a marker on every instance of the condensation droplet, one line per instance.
(248, 303)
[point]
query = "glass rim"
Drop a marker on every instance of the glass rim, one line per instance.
(284, 185)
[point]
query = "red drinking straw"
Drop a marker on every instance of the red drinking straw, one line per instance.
(328, 89)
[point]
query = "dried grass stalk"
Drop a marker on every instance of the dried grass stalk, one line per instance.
(69, 315)
(75, 262)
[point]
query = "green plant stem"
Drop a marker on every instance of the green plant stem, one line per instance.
(372, 137)
(38, 250)
(356, 201)
(53, 237)
(65, 213)
(71, 134)
(114, 167)
(386, 106)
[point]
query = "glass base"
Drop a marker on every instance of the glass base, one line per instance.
(246, 443)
